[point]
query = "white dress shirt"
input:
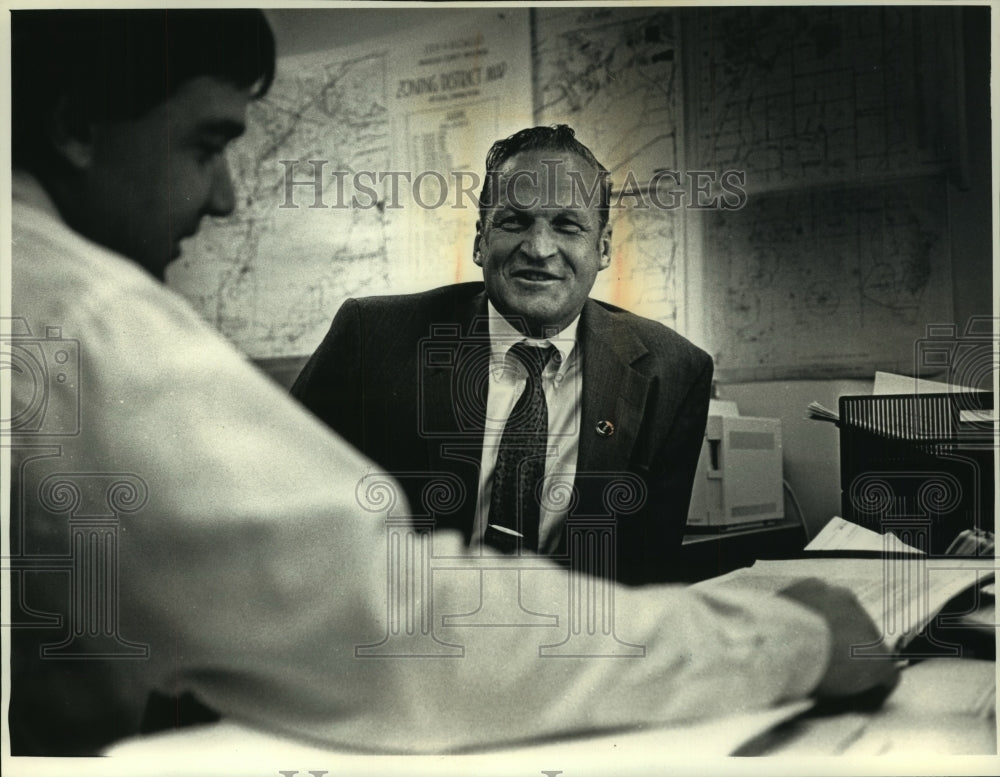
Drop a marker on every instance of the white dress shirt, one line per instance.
(562, 384)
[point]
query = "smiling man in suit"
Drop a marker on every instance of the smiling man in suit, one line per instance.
(544, 405)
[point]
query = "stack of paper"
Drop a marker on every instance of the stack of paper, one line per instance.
(899, 587)
(818, 412)
(839, 534)
(901, 595)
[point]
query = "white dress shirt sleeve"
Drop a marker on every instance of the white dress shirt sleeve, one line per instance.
(252, 571)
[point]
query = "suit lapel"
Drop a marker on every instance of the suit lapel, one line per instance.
(454, 361)
(453, 405)
(613, 391)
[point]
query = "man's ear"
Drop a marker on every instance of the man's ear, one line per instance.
(71, 133)
(605, 246)
(477, 255)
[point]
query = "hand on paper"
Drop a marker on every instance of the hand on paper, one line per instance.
(853, 678)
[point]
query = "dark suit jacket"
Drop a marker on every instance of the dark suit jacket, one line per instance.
(403, 378)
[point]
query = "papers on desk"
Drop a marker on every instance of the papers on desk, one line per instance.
(839, 534)
(901, 594)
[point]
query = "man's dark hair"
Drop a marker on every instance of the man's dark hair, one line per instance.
(118, 64)
(558, 137)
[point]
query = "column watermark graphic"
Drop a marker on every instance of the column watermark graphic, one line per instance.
(501, 583)
(591, 563)
(409, 574)
(94, 504)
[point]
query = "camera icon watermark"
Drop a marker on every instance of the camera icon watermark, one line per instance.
(969, 361)
(458, 363)
(40, 367)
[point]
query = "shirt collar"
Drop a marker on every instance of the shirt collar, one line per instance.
(503, 335)
(26, 190)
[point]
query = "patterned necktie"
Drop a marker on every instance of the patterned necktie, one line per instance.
(514, 507)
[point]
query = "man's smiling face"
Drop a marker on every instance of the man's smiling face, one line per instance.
(542, 244)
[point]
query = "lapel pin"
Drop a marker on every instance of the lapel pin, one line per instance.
(605, 428)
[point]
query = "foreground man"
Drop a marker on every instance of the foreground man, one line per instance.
(234, 561)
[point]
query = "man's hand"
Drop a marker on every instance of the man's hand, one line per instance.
(859, 681)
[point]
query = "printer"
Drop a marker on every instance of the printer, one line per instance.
(739, 477)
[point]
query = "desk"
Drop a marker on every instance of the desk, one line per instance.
(706, 554)
(941, 706)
